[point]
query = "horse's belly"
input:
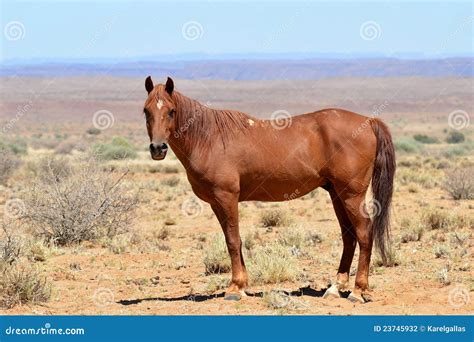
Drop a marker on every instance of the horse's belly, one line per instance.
(275, 189)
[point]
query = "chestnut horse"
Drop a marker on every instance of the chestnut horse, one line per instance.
(231, 157)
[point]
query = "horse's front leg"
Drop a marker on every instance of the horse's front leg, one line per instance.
(226, 209)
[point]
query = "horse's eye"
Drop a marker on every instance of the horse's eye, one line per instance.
(171, 113)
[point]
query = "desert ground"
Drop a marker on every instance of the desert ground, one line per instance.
(167, 256)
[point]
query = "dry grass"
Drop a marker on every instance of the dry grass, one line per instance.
(21, 284)
(10, 243)
(274, 218)
(273, 263)
(10, 162)
(216, 258)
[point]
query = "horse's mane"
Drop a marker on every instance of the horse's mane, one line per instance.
(199, 125)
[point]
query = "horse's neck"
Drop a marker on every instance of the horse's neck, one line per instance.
(187, 111)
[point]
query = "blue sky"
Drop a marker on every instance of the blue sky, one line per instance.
(131, 29)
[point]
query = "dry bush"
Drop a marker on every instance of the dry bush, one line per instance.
(170, 181)
(441, 219)
(216, 257)
(217, 283)
(85, 203)
(298, 237)
(10, 244)
(119, 148)
(119, 244)
(460, 183)
(163, 234)
(251, 239)
(20, 284)
(37, 251)
(442, 251)
(281, 300)
(427, 179)
(443, 276)
(392, 259)
(412, 234)
(9, 163)
(273, 263)
(274, 218)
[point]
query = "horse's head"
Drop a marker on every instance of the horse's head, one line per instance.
(159, 110)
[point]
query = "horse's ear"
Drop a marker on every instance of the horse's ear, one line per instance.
(169, 86)
(149, 84)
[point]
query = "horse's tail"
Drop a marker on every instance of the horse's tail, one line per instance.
(382, 186)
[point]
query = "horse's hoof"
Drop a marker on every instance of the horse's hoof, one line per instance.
(356, 298)
(233, 296)
(332, 292)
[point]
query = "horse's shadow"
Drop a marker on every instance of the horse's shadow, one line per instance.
(302, 291)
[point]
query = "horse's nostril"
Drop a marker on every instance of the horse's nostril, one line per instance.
(152, 148)
(164, 146)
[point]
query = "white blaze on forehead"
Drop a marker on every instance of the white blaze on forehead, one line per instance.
(159, 103)
(251, 122)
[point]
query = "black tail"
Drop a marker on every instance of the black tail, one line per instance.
(382, 186)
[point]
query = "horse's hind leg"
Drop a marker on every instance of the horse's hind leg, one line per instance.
(226, 210)
(349, 243)
(362, 228)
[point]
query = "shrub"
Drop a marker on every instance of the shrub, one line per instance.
(15, 146)
(118, 244)
(460, 183)
(294, 237)
(273, 263)
(217, 283)
(10, 244)
(163, 233)
(443, 276)
(425, 139)
(455, 137)
(436, 219)
(392, 258)
(93, 131)
(118, 148)
(37, 251)
(170, 181)
(274, 218)
(21, 284)
(407, 145)
(412, 234)
(216, 257)
(441, 251)
(85, 204)
(65, 147)
(9, 163)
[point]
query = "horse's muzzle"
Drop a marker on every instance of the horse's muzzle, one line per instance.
(158, 151)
